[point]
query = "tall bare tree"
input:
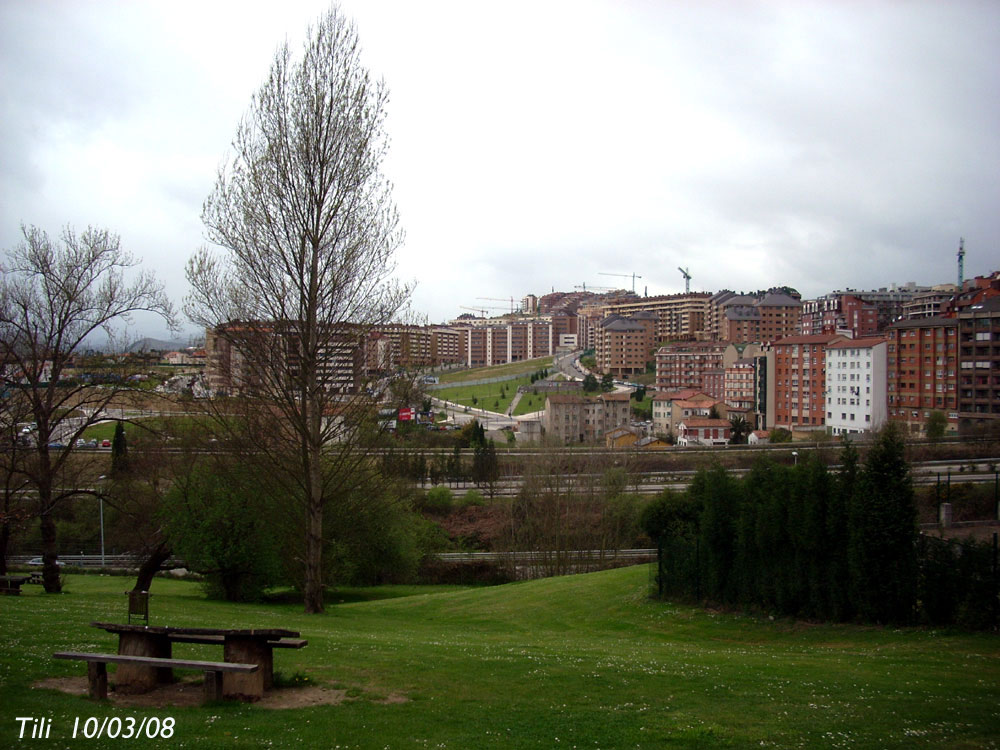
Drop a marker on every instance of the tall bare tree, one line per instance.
(55, 296)
(306, 231)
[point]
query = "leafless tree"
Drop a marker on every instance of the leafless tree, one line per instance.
(306, 231)
(54, 297)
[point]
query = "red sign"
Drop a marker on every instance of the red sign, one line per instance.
(405, 415)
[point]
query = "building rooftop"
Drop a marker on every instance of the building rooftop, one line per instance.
(826, 338)
(867, 343)
(779, 299)
(935, 322)
(704, 422)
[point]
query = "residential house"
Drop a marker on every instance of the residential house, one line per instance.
(703, 431)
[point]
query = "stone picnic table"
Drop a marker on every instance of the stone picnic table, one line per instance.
(240, 645)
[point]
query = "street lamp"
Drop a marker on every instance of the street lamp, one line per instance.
(795, 458)
(100, 500)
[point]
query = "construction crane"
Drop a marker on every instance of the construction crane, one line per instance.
(687, 279)
(497, 299)
(482, 310)
(632, 276)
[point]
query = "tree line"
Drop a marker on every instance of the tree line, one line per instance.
(804, 542)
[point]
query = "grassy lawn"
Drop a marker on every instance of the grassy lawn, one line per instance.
(530, 403)
(487, 396)
(106, 430)
(526, 367)
(580, 661)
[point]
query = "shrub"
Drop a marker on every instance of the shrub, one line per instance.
(437, 500)
(472, 497)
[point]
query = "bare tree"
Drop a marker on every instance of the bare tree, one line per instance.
(307, 230)
(53, 298)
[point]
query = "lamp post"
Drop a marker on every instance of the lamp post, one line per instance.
(100, 500)
(795, 458)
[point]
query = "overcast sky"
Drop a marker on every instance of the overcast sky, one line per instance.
(537, 145)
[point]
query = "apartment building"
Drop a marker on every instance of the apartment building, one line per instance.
(718, 303)
(501, 341)
(622, 345)
(773, 316)
(678, 316)
(922, 364)
(341, 367)
(700, 365)
(571, 418)
(930, 303)
(979, 365)
(800, 381)
(856, 377)
(844, 314)
(446, 346)
(738, 384)
(683, 365)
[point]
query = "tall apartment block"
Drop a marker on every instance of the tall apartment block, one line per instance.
(800, 381)
(856, 385)
(622, 345)
(922, 371)
(979, 371)
(773, 316)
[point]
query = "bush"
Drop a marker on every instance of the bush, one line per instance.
(217, 520)
(437, 500)
(472, 497)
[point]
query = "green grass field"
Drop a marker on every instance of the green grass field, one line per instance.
(525, 367)
(583, 661)
(487, 396)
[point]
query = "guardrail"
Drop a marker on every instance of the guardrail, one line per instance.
(93, 561)
(545, 555)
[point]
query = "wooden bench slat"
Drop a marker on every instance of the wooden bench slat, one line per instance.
(151, 661)
(289, 643)
(219, 640)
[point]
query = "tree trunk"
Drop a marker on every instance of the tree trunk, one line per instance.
(151, 566)
(314, 558)
(4, 544)
(50, 570)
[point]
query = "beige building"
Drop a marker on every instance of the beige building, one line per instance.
(573, 418)
(671, 407)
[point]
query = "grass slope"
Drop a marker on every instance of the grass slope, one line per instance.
(581, 661)
(524, 367)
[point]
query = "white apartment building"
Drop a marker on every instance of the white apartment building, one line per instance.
(856, 377)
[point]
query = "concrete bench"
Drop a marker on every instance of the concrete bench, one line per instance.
(11, 585)
(97, 672)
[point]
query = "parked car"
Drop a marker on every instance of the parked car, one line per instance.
(105, 443)
(38, 561)
(56, 446)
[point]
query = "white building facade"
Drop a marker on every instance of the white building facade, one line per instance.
(856, 379)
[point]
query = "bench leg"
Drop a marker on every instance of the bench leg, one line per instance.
(97, 679)
(213, 685)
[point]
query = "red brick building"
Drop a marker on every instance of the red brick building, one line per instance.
(922, 371)
(800, 381)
